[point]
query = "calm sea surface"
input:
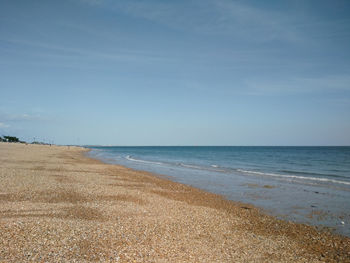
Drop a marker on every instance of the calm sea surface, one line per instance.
(304, 184)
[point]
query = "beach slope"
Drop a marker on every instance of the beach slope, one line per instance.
(58, 205)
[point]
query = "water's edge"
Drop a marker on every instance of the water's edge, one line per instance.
(298, 216)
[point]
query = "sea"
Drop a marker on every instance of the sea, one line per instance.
(308, 185)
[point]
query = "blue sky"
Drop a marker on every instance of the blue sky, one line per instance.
(191, 72)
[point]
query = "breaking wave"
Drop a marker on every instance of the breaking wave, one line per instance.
(295, 177)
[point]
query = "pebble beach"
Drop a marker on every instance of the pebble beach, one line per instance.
(57, 205)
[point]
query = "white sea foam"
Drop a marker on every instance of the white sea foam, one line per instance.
(141, 161)
(192, 166)
(295, 177)
(202, 167)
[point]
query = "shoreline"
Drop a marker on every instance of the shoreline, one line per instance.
(298, 200)
(135, 215)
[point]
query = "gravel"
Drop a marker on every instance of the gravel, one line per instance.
(58, 205)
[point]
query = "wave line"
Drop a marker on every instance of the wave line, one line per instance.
(295, 177)
(128, 157)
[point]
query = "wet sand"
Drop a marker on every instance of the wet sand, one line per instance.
(58, 205)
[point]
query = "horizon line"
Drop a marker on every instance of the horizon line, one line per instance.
(98, 145)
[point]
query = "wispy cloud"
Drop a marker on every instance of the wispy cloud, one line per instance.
(93, 2)
(8, 117)
(213, 17)
(4, 125)
(301, 85)
(242, 20)
(57, 51)
(252, 22)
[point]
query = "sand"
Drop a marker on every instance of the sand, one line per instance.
(58, 205)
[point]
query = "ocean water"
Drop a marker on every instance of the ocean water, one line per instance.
(303, 184)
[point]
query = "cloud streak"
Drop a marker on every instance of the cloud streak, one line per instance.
(7, 117)
(213, 17)
(55, 51)
(299, 85)
(4, 125)
(240, 20)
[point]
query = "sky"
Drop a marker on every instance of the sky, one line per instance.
(185, 72)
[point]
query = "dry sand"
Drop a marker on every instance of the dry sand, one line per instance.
(58, 205)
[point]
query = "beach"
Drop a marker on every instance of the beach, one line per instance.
(308, 185)
(59, 205)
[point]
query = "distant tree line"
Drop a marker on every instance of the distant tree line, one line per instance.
(10, 139)
(15, 139)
